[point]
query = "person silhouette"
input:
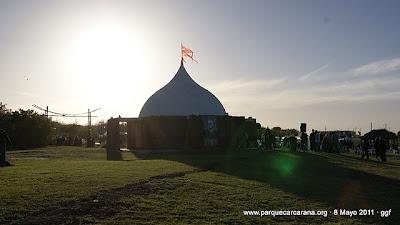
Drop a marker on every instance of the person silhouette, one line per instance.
(4, 141)
(312, 140)
(382, 149)
(317, 138)
(365, 148)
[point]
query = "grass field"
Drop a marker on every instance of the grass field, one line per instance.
(69, 185)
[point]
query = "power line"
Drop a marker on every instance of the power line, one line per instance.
(88, 114)
(63, 114)
(56, 115)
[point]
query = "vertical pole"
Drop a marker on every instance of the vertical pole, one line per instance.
(46, 113)
(113, 139)
(89, 139)
(90, 128)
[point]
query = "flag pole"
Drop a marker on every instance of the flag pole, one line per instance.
(182, 54)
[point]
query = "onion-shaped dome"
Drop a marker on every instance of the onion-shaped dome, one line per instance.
(182, 96)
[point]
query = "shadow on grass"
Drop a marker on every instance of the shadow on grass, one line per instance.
(114, 155)
(306, 175)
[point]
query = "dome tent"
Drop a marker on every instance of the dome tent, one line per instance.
(181, 115)
(182, 96)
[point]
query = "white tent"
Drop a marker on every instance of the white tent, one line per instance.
(182, 96)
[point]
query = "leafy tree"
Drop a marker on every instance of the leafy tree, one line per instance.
(26, 128)
(276, 131)
(3, 109)
(289, 132)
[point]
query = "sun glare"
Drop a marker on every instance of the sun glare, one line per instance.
(106, 54)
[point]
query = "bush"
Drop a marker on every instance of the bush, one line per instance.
(26, 128)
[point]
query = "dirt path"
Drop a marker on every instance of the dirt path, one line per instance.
(97, 207)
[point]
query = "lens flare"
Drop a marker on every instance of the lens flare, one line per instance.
(285, 164)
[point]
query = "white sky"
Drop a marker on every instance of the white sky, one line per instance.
(281, 62)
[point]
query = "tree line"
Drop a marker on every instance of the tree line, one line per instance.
(28, 129)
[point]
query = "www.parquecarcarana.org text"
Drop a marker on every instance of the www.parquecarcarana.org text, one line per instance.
(274, 213)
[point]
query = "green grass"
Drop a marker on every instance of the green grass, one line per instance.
(68, 185)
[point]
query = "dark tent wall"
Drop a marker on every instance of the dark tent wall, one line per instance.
(160, 132)
(182, 132)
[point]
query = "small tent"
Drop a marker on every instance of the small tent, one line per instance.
(390, 137)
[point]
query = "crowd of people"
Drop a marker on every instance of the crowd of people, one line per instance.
(329, 142)
(74, 141)
(332, 142)
(379, 145)
(68, 141)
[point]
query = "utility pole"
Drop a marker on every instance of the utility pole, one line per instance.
(371, 125)
(89, 136)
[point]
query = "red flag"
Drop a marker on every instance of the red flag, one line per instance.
(187, 52)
